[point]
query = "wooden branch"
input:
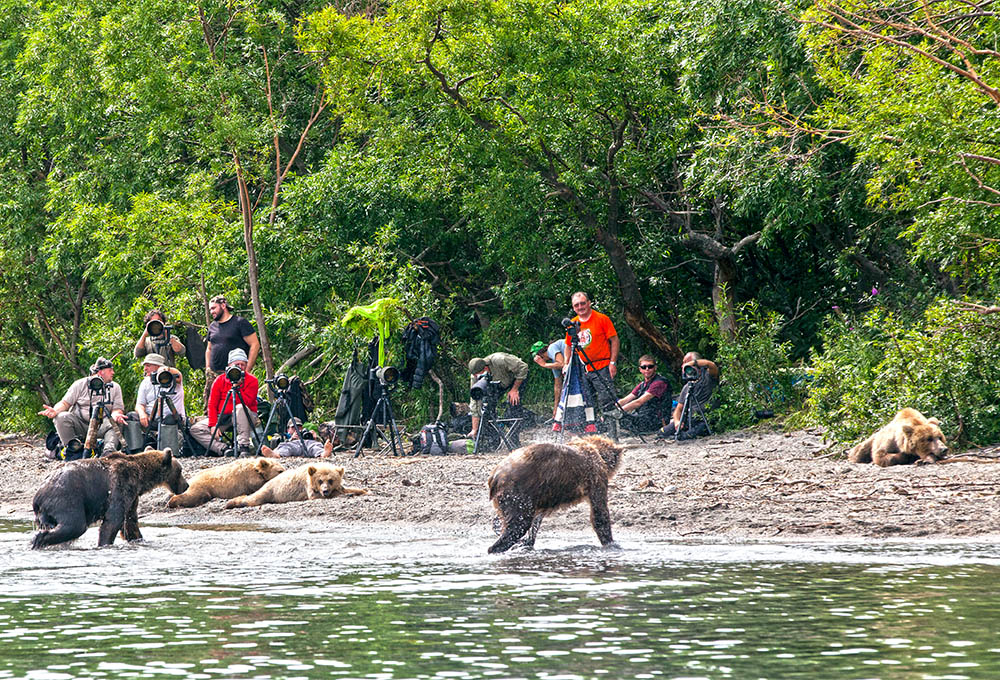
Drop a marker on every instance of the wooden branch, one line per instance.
(972, 307)
(296, 358)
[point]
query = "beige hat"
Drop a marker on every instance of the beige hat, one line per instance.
(155, 359)
(476, 365)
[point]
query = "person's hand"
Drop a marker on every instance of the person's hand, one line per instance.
(47, 411)
(539, 360)
(119, 417)
(612, 370)
(514, 397)
(144, 419)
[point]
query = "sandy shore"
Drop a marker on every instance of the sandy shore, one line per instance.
(736, 486)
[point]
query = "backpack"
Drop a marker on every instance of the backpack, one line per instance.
(433, 439)
(53, 445)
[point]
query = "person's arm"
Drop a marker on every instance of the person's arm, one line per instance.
(140, 347)
(254, 350)
(214, 402)
(53, 411)
(613, 366)
(208, 355)
(178, 346)
(634, 403)
(118, 405)
(514, 394)
(248, 390)
(626, 400)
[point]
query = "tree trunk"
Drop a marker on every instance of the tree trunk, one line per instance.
(722, 299)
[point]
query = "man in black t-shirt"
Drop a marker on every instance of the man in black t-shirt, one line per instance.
(226, 333)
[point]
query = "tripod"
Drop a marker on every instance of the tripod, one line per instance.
(97, 414)
(692, 409)
(232, 398)
(281, 400)
(382, 410)
(624, 416)
(163, 397)
(489, 417)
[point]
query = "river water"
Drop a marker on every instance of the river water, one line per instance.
(203, 602)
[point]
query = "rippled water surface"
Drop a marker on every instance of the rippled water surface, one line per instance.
(203, 603)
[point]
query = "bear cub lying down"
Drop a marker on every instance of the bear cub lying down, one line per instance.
(908, 438)
(227, 481)
(316, 480)
(82, 492)
(538, 479)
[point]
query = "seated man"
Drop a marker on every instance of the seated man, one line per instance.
(700, 378)
(221, 408)
(510, 371)
(72, 413)
(553, 357)
(307, 448)
(146, 399)
(645, 402)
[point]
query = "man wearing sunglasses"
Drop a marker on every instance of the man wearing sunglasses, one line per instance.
(645, 402)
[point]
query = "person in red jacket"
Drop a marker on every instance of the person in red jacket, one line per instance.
(221, 408)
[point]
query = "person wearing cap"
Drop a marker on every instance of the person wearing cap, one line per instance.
(221, 410)
(145, 401)
(553, 357)
(168, 346)
(226, 332)
(294, 445)
(72, 413)
(509, 370)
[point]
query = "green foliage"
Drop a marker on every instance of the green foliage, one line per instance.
(944, 363)
(755, 370)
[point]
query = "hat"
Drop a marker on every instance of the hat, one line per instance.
(155, 359)
(296, 421)
(476, 365)
(538, 347)
(100, 365)
(237, 355)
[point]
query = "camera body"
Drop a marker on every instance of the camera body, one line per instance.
(690, 373)
(571, 327)
(484, 387)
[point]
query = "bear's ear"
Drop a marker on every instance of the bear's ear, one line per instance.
(311, 470)
(933, 421)
(340, 471)
(908, 430)
(167, 456)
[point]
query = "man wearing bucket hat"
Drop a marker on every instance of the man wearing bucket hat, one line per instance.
(294, 446)
(551, 356)
(222, 410)
(509, 370)
(144, 419)
(72, 413)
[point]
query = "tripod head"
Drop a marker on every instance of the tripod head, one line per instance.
(279, 384)
(572, 329)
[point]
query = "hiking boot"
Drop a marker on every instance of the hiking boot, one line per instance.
(245, 451)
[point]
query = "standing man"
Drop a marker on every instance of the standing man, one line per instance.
(226, 333)
(553, 357)
(599, 340)
(72, 412)
(220, 409)
(646, 401)
(510, 371)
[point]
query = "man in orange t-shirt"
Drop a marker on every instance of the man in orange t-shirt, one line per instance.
(598, 340)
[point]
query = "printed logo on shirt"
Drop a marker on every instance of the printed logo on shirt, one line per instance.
(585, 338)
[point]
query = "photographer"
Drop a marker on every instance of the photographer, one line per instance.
(552, 357)
(598, 339)
(225, 333)
(157, 339)
(645, 402)
(72, 412)
(700, 378)
(221, 410)
(294, 446)
(149, 391)
(508, 370)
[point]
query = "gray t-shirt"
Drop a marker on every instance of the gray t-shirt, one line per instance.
(148, 393)
(79, 398)
(557, 347)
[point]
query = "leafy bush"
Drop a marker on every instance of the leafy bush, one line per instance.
(945, 363)
(755, 369)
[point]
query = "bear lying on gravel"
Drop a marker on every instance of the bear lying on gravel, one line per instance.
(908, 438)
(82, 492)
(316, 480)
(227, 481)
(537, 479)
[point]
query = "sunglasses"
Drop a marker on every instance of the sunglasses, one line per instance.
(646, 367)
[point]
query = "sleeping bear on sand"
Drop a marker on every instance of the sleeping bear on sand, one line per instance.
(238, 478)
(537, 479)
(908, 438)
(83, 492)
(316, 480)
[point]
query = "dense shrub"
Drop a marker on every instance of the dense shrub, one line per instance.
(945, 363)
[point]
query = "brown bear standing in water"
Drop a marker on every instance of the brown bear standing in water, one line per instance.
(316, 480)
(537, 479)
(227, 481)
(908, 438)
(82, 492)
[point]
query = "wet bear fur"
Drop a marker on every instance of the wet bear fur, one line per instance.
(908, 438)
(316, 480)
(535, 480)
(238, 478)
(107, 489)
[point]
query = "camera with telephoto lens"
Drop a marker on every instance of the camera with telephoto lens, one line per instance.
(164, 378)
(280, 382)
(484, 387)
(156, 327)
(571, 327)
(387, 375)
(234, 374)
(690, 373)
(96, 384)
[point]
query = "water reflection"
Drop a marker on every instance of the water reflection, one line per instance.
(201, 603)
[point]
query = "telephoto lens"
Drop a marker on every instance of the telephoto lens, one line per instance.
(234, 374)
(96, 384)
(480, 387)
(154, 327)
(164, 377)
